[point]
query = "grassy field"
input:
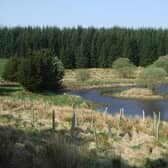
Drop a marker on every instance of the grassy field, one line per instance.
(98, 139)
(2, 64)
(99, 77)
(61, 99)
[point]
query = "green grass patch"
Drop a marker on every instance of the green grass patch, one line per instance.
(136, 147)
(61, 99)
(8, 90)
(3, 61)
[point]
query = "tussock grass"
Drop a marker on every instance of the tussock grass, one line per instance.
(141, 93)
(26, 149)
(98, 77)
(122, 141)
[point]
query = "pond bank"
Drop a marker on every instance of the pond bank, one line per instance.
(133, 107)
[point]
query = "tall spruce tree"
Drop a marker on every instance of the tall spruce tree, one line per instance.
(86, 47)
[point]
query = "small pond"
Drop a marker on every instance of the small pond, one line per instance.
(132, 107)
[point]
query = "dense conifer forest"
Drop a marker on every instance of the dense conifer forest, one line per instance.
(86, 47)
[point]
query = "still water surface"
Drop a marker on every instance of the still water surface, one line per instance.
(132, 107)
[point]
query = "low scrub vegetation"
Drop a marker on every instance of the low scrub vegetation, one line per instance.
(139, 93)
(162, 62)
(3, 62)
(152, 76)
(83, 75)
(98, 77)
(27, 149)
(124, 67)
(11, 69)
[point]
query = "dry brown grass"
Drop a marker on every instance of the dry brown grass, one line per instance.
(135, 137)
(99, 77)
(96, 73)
(11, 108)
(141, 93)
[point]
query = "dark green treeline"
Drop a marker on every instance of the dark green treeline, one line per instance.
(86, 47)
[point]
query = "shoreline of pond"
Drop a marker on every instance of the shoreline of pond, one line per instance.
(133, 107)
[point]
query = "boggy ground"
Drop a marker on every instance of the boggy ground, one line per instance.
(132, 141)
